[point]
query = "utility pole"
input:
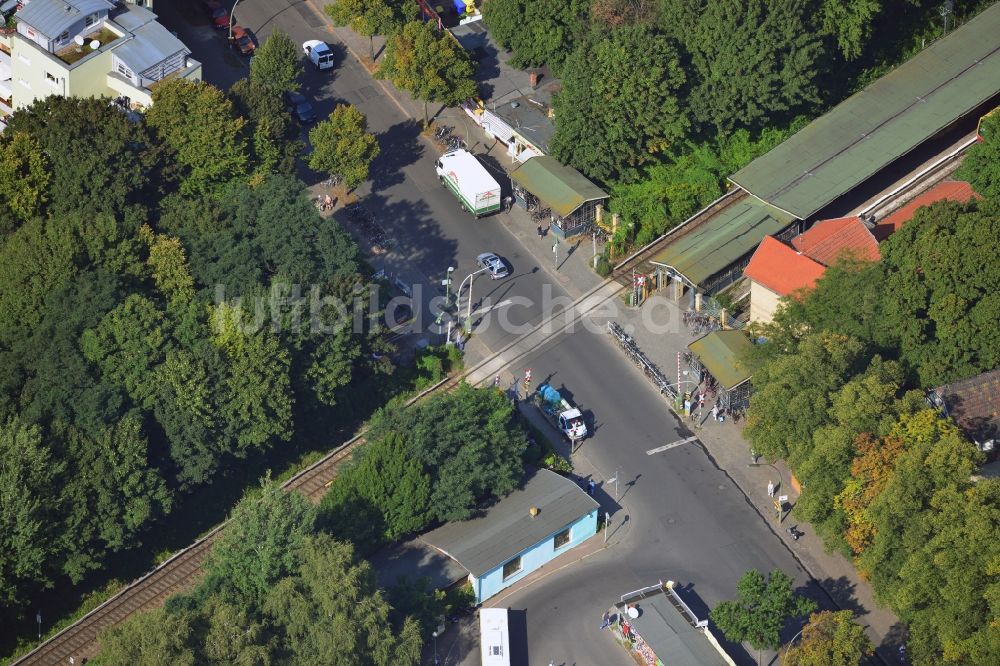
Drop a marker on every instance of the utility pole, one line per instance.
(38, 618)
(595, 248)
(447, 286)
(607, 521)
(555, 253)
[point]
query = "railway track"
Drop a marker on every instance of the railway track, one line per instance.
(183, 570)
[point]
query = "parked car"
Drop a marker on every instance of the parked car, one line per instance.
(318, 53)
(300, 107)
(243, 40)
(493, 264)
(217, 13)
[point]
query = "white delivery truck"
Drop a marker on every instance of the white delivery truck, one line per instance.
(318, 53)
(493, 637)
(469, 180)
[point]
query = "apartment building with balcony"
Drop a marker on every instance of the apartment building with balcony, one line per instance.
(87, 48)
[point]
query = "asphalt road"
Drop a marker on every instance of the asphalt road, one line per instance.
(681, 518)
(429, 229)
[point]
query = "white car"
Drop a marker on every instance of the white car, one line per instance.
(318, 53)
(493, 264)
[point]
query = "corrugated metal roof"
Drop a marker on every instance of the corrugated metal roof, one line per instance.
(671, 637)
(886, 120)
(719, 352)
(732, 233)
(483, 544)
(52, 17)
(562, 188)
(152, 44)
(134, 18)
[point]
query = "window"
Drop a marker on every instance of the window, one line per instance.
(91, 20)
(512, 567)
(63, 37)
(561, 539)
(124, 71)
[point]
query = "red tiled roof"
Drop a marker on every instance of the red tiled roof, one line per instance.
(974, 404)
(946, 190)
(828, 239)
(781, 269)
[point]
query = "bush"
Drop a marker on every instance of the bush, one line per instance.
(603, 266)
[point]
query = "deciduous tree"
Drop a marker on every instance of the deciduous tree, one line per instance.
(829, 639)
(431, 67)
(25, 174)
(761, 609)
(342, 146)
(619, 107)
(378, 17)
(539, 33)
(261, 544)
(276, 65)
(197, 122)
(29, 508)
(331, 612)
(981, 165)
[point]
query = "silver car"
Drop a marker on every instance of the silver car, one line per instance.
(493, 264)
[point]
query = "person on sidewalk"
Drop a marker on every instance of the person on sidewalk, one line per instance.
(715, 412)
(606, 621)
(770, 489)
(539, 231)
(591, 487)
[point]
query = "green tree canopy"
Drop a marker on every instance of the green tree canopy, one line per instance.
(756, 62)
(24, 178)
(830, 638)
(260, 544)
(276, 64)
(29, 508)
(761, 609)
(99, 159)
(332, 612)
(619, 108)
(981, 164)
(431, 67)
(539, 33)
(274, 134)
(197, 122)
(378, 17)
(342, 146)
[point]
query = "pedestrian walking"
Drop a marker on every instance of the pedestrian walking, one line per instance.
(606, 620)
(539, 231)
(715, 412)
(591, 487)
(770, 489)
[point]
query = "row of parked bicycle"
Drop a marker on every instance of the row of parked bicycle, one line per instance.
(444, 136)
(371, 229)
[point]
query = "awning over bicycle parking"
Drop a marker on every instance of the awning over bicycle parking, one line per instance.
(719, 353)
(570, 196)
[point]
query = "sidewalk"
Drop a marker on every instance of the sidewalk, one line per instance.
(573, 272)
(724, 443)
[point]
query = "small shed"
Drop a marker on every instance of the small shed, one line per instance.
(657, 626)
(516, 536)
(570, 197)
(718, 353)
(973, 404)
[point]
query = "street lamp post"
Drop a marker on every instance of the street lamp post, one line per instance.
(38, 618)
(232, 17)
(468, 309)
(946, 10)
(447, 286)
(435, 635)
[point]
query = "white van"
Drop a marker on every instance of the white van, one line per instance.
(318, 53)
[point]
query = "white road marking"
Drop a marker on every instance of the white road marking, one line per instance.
(665, 447)
(488, 308)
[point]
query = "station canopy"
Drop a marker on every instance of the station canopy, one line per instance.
(560, 187)
(871, 129)
(719, 352)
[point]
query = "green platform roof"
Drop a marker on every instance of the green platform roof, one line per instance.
(719, 352)
(561, 188)
(731, 233)
(883, 122)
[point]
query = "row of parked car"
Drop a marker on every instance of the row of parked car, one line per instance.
(241, 38)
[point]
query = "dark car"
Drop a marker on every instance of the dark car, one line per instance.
(218, 14)
(242, 40)
(300, 107)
